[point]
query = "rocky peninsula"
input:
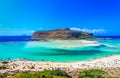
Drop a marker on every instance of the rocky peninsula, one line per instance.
(61, 34)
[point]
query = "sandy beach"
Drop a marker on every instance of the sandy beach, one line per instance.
(105, 63)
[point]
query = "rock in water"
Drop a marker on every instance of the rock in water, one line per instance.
(61, 34)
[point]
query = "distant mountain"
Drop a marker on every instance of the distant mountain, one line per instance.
(61, 34)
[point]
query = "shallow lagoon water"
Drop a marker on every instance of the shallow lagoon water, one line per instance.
(59, 51)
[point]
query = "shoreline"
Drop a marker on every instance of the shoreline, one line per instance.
(75, 61)
(105, 63)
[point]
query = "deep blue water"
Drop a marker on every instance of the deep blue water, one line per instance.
(28, 38)
(14, 38)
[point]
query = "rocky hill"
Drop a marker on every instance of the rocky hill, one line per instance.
(61, 34)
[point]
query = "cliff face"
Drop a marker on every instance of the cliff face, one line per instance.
(61, 34)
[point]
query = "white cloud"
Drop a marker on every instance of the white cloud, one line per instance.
(32, 31)
(39, 28)
(29, 32)
(89, 30)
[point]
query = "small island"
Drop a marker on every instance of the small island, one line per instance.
(62, 34)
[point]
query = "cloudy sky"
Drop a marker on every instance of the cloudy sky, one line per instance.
(18, 17)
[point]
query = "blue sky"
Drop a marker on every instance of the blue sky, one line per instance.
(19, 17)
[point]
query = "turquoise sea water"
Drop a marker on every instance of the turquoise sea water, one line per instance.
(59, 51)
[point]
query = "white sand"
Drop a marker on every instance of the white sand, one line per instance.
(24, 65)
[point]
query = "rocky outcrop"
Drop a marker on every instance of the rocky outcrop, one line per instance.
(61, 34)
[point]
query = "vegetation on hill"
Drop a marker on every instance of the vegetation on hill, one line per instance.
(44, 74)
(92, 73)
(2, 76)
